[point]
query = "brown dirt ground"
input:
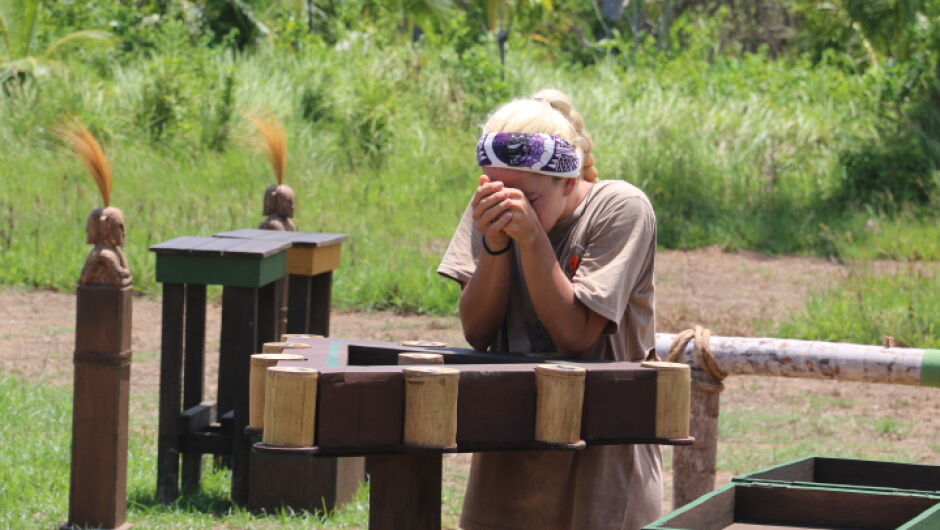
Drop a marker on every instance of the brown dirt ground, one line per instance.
(733, 294)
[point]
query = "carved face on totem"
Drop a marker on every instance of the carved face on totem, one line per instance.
(105, 226)
(279, 200)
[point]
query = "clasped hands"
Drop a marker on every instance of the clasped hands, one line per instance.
(503, 214)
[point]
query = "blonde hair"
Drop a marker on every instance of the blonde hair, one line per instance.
(548, 111)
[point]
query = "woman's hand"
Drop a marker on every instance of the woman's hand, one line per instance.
(502, 213)
(491, 214)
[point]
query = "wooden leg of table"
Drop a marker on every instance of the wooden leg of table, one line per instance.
(194, 371)
(171, 359)
(269, 313)
(239, 339)
(321, 290)
(405, 492)
(298, 303)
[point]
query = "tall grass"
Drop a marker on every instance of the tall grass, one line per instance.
(869, 305)
(736, 153)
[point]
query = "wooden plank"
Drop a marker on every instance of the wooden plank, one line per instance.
(171, 360)
(197, 418)
(98, 490)
(180, 245)
(313, 261)
(297, 239)
(756, 503)
(194, 371)
(239, 340)
(321, 292)
(256, 247)
(298, 304)
(269, 313)
(303, 482)
(714, 511)
(405, 492)
(893, 475)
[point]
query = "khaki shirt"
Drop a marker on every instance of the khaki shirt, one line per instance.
(606, 248)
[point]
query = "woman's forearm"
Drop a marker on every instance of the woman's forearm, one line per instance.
(572, 326)
(483, 302)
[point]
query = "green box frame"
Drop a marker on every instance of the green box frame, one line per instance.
(229, 270)
(929, 519)
(875, 472)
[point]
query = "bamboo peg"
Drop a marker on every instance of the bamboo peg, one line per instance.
(559, 392)
(279, 347)
(286, 337)
(290, 406)
(422, 344)
(673, 398)
(431, 406)
(260, 363)
(420, 358)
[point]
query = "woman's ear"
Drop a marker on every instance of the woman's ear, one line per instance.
(569, 186)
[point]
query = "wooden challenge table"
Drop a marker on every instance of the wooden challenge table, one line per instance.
(251, 273)
(311, 260)
(359, 401)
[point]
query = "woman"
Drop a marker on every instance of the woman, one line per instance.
(552, 260)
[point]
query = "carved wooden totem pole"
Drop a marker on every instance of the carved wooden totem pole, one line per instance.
(98, 490)
(278, 198)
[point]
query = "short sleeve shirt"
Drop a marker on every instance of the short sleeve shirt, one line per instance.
(606, 247)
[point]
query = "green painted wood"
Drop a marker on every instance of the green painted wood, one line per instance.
(227, 270)
(930, 368)
(906, 479)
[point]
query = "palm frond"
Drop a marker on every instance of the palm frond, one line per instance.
(87, 149)
(272, 142)
(78, 38)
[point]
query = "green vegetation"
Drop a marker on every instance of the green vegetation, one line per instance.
(780, 150)
(868, 305)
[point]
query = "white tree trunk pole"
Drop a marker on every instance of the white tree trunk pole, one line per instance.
(694, 466)
(817, 360)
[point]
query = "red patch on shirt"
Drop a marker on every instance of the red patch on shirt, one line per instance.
(574, 261)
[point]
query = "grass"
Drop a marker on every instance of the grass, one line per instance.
(868, 305)
(381, 143)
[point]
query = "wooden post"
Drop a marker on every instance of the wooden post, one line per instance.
(171, 363)
(194, 371)
(98, 492)
(286, 337)
(673, 395)
(431, 407)
(409, 358)
(405, 489)
(290, 406)
(559, 392)
(279, 347)
(256, 386)
(693, 466)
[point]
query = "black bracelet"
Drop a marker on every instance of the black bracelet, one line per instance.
(498, 252)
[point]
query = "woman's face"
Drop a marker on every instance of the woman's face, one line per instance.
(547, 195)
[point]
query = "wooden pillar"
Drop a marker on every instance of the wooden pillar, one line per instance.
(98, 490)
(194, 371)
(321, 290)
(298, 303)
(171, 363)
(693, 466)
(405, 489)
(239, 340)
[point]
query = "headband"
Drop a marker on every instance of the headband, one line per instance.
(536, 152)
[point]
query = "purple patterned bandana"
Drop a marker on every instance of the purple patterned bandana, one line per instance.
(536, 152)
